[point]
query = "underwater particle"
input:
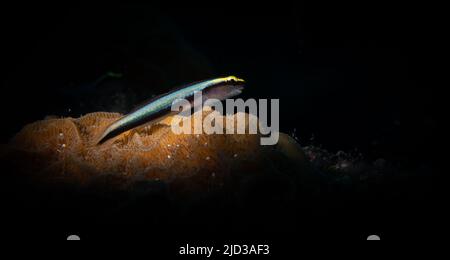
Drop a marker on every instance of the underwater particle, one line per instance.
(63, 145)
(168, 156)
(379, 163)
(344, 164)
(235, 155)
(168, 145)
(206, 144)
(207, 158)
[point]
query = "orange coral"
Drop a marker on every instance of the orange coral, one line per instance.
(63, 150)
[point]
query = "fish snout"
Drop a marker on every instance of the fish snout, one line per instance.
(235, 81)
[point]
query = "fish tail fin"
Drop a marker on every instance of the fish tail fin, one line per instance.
(102, 137)
(109, 132)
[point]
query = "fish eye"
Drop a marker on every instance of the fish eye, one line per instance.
(232, 80)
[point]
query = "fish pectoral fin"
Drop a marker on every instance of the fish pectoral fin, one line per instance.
(164, 120)
(167, 119)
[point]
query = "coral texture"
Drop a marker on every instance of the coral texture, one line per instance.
(63, 150)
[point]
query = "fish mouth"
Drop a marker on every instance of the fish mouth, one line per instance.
(232, 82)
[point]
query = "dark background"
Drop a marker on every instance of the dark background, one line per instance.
(348, 76)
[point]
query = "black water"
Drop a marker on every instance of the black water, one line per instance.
(349, 77)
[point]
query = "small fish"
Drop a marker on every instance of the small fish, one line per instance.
(160, 107)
